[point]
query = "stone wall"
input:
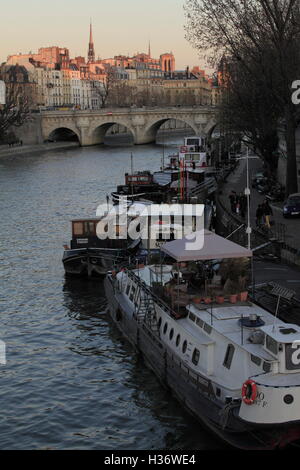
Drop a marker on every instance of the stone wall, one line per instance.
(31, 131)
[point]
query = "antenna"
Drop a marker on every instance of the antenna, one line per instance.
(131, 160)
(276, 314)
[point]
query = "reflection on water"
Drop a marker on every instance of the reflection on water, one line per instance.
(71, 380)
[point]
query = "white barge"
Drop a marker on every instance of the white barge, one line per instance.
(229, 362)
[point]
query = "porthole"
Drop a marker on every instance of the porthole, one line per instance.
(288, 399)
(165, 328)
(159, 323)
(184, 347)
(171, 334)
(178, 340)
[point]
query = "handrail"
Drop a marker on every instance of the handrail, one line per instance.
(149, 291)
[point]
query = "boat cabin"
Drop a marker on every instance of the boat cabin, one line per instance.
(139, 178)
(85, 234)
(282, 342)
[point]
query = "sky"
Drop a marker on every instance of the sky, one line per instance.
(119, 27)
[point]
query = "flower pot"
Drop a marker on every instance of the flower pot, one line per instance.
(243, 296)
(207, 300)
(220, 299)
(233, 298)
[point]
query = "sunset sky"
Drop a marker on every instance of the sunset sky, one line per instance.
(119, 26)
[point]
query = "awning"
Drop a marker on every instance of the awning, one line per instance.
(204, 245)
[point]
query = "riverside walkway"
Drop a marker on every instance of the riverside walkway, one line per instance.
(286, 230)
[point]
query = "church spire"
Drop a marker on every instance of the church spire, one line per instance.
(149, 50)
(91, 50)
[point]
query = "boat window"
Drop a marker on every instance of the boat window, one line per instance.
(165, 328)
(184, 347)
(267, 367)
(128, 289)
(256, 360)
(171, 334)
(192, 317)
(132, 293)
(159, 323)
(192, 142)
(199, 322)
(229, 356)
(89, 228)
(272, 345)
(78, 228)
(207, 328)
(178, 340)
(196, 357)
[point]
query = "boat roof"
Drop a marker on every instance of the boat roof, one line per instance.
(226, 321)
(204, 245)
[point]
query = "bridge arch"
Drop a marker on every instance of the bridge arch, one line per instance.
(152, 129)
(62, 134)
(98, 132)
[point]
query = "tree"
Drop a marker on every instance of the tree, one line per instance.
(105, 88)
(242, 29)
(15, 112)
(247, 108)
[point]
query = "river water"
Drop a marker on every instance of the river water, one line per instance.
(71, 381)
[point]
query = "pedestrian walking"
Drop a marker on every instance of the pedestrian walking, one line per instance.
(238, 205)
(259, 215)
(243, 205)
(267, 211)
(233, 201)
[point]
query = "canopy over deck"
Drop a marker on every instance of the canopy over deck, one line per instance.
(214, 247)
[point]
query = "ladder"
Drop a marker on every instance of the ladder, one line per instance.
(146, 314)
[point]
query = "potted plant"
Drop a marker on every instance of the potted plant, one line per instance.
(220, 299)
(208, 296)
(233, 298)
(243, 296)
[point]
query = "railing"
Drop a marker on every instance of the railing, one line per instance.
(231, 225)
(210, 186)
(204, 384)
(148, 290)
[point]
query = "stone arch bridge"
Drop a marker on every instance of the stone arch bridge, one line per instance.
(91, 126)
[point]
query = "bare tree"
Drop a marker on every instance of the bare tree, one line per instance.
(241, 29)
(104, 90)
(16, 110)
(247, 107)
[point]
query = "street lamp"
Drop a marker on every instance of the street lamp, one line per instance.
(248, 194)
